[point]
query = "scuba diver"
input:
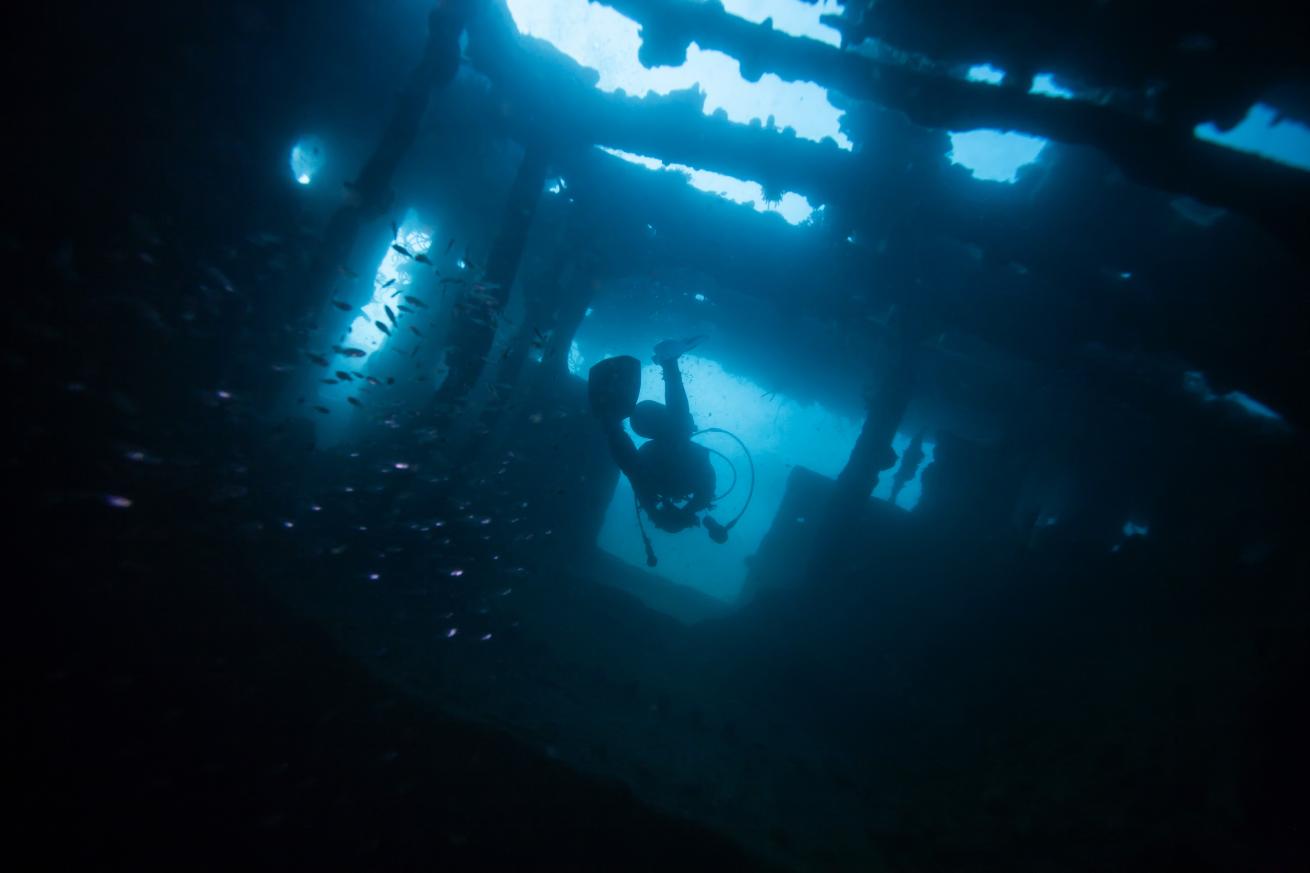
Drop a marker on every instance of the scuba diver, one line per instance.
(672, 477)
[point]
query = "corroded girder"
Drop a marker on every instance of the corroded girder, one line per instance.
(1148, 153)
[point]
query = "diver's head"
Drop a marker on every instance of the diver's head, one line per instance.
(650, 420)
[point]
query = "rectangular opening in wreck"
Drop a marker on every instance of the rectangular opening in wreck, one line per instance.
(780, 432)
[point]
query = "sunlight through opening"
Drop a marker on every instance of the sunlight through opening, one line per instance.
(598, 37)
(994, 156)
(1263, 132)
(793, 207)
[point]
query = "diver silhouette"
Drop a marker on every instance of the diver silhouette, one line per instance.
(671, 476)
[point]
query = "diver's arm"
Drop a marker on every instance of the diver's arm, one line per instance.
(622, 448)
(675, 399)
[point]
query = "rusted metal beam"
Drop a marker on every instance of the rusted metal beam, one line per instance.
(1149, 153)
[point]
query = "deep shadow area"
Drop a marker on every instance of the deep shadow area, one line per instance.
(172, 714)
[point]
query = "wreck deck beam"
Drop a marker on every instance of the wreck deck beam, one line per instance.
(1150, 154)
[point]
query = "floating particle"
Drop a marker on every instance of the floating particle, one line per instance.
(457, 572)
(451, 633)
(118, 501)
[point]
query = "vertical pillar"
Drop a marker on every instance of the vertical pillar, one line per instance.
(472, 340)
(873, 452)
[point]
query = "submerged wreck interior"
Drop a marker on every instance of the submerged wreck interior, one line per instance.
(1002, 307)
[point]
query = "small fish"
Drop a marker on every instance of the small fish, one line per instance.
(396, 293)
(353, 402)
(403, 308)
(395, 231)
(450, 245)
(423, 259)
(317, 359)
(388, 283)
(391, 380)
(347, 272)
(342, 305)
(391, 315)
(343, 375)
(382, 327)
(401, 250)
(349, 352)
(415, 301)
(416, 330)
(322, 409)
(372, 380)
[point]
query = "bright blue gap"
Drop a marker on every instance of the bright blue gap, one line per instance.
(1259, 133)
(792, 206)
(986, 73)
(992, 155)
(1045, 84)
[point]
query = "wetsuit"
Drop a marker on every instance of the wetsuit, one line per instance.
(669, 468)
